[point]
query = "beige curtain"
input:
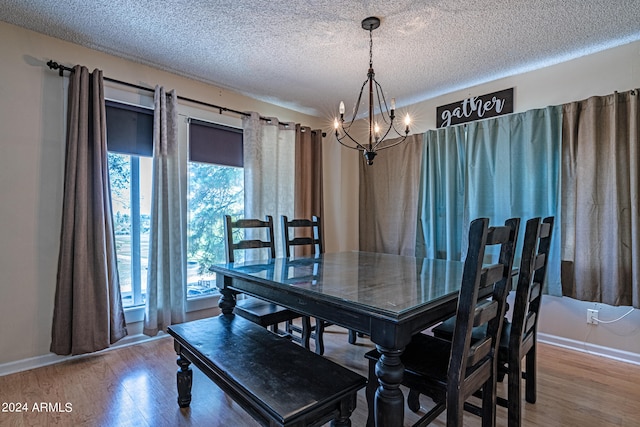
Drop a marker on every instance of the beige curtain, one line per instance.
(389, 199)
(308, 179)
(269, 164)
(601, 200)
(167, 275)
(88, 313)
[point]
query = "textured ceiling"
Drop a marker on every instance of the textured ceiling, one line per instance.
(308, 55)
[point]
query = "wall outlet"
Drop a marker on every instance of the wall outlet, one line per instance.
(592, 316)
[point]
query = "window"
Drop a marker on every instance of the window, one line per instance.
(215, 188)
(130, 146)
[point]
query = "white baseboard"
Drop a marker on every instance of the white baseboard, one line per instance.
(50, 359)
(584, 347)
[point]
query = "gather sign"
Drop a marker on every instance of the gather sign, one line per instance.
(475, 108)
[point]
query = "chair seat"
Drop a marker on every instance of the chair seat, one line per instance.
(445, 331)
(263, 313)
(425, 356)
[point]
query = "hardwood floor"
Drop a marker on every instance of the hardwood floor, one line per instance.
(135, 386)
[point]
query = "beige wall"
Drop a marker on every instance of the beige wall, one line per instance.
(32, 133)
(563, 320)
(32, 118)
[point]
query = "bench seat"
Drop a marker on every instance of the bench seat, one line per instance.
(278, 382)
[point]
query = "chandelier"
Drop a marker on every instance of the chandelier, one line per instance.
(380, 127)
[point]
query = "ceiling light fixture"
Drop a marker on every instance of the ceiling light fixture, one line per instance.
(387, 114)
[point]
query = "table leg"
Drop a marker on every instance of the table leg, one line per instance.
(185, 378)
(389, 400)
(227, 300)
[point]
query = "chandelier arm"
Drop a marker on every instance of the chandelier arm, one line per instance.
(345, 133)
(380, 94)
(357, 107)
(384, 137)
(394, 144)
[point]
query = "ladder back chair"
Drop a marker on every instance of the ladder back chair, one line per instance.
(518, 339)
(451, 371)
(301, 232)
(264, 313)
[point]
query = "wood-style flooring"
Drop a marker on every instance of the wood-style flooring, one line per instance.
(136, 386)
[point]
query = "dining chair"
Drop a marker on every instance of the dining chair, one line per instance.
(451, 371)
(301, 232)
(518, 339)
(259, 311)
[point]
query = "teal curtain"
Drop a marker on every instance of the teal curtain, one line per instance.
(497, 168)
(441, 194)
(513, 170)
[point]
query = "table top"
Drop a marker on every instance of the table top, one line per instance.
(392, 286)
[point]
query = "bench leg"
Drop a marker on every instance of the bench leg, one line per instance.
(352, 337)
(347, 405)
(185, 379)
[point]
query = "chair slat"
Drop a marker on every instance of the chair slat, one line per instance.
(498, 234)
(491, 274)
(251, 244)
(478, 352)
(531, 321)
(540, 261)
(545, 230)
(485, 311)
(536, 289)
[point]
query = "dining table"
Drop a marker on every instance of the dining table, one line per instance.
(386, 297)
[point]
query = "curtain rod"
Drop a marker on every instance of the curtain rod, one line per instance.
(61, 69)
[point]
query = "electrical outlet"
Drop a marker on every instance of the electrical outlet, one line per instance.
(592, 316)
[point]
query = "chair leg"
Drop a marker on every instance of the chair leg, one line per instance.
(489, 403)
(306, 332)
(530, 382)
(319, 336)
(352, 337)
(372, 386)
(455, 410)
(413, 400)
(513, 390)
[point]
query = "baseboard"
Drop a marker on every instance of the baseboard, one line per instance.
(50, 359)
(584, 347)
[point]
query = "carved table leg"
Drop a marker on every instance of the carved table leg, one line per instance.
(185, 379)
(389, 400)
(227, 300)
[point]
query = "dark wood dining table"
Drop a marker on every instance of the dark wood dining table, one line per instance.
(387, 297)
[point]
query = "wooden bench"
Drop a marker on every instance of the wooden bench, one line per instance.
(275, 380)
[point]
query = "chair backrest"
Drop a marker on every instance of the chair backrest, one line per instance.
(304, 232)
(475, 308)
(254, 224)
(533, 269)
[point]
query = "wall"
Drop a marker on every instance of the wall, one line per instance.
(32, 120)
(563, 320)
(32, 123)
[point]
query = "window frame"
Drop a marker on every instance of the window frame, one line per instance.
(143, 100)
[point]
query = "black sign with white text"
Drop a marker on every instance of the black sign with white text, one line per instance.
(475, 108)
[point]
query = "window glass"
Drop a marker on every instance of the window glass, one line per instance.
(215, 188)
